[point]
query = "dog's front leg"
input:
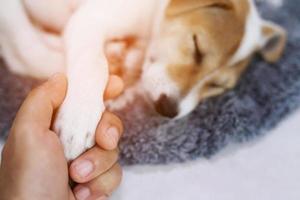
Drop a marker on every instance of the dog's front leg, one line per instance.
(87, 72)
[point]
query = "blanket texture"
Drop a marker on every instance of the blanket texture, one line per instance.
(265, 95)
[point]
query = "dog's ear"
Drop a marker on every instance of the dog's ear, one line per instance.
(273, 41)
(178, 7)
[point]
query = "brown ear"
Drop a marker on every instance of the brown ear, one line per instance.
(177, 7)
(274, 41)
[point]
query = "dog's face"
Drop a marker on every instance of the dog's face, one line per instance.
(200, 49)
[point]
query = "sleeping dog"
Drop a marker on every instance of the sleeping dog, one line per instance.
(191, 50)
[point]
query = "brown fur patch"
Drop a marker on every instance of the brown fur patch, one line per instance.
(225, 79)
(275, 46)
(179, 7)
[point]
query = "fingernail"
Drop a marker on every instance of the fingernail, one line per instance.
(113, 134)
(84, 168)
(82, 193)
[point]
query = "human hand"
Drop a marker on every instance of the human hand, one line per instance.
(33, 164)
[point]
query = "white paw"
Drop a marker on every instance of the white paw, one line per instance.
(76, 124)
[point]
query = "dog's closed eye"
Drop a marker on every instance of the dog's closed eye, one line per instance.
(198, 55)
(221, 5)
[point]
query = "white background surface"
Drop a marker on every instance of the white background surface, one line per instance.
(267, 169)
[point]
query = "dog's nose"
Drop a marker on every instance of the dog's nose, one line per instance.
(166, 106)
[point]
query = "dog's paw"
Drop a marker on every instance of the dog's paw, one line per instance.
(76, 126)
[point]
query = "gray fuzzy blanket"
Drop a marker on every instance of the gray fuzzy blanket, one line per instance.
(265, 95)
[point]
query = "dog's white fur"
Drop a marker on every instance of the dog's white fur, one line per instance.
(87, 26)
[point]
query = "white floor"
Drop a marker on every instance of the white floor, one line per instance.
(267, 169)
